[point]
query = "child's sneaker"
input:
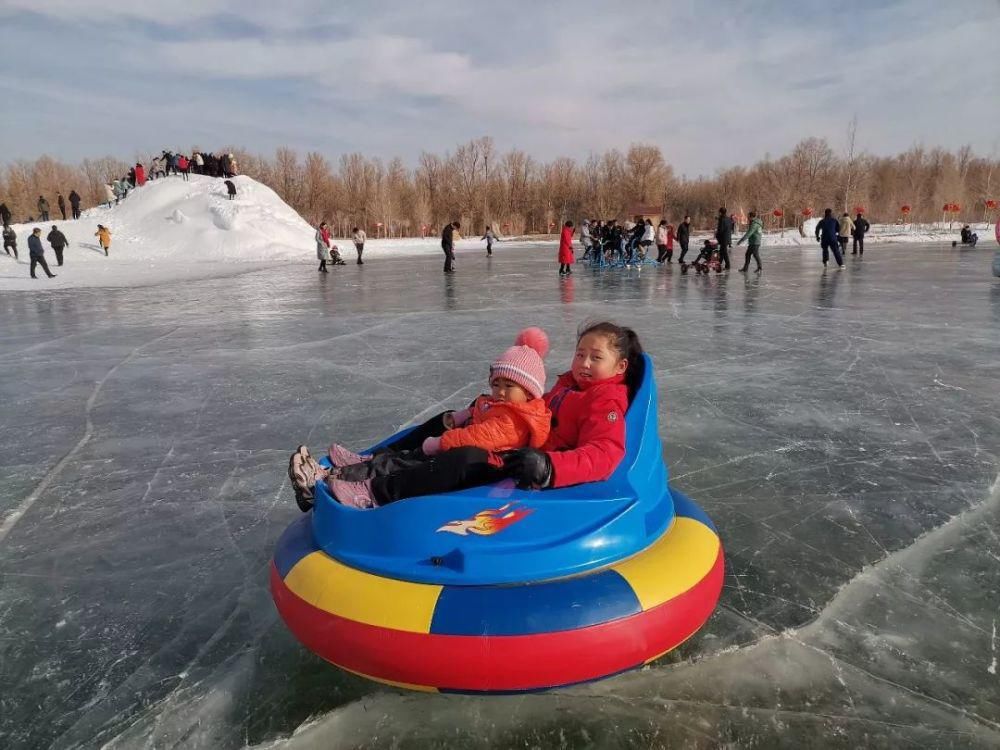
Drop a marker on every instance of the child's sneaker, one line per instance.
(340, 456)
(352, 494)
(303, 473)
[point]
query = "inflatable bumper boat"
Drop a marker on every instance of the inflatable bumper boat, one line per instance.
(498, 590)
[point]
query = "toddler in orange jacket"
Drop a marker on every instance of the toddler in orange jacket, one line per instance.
(513, 415)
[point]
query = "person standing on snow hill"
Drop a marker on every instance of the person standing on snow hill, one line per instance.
(199, 162)
(43, 209)
(37, 253)
(861, 227)
(566, 249)
(845, 232)
(74, 202)
(140, 175)
(61, 202)
(448, 237)
(104, 237)
(10, 240)
(359, 238)
(753, 236)
(724, 235)
(113, 193)
(59, 242)
(231, 187)
(5, 215)
(827, 231)
(184, 166)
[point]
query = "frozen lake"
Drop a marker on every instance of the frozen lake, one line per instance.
(842, 429)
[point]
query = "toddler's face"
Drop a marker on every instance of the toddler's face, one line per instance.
(596, 360)
(505, 389)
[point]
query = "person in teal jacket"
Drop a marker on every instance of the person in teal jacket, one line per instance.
(753, 237)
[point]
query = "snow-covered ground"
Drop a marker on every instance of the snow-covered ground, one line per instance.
(172, 230)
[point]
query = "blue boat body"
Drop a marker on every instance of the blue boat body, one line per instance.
(556, 533)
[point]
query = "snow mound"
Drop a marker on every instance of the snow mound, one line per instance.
(170, 228)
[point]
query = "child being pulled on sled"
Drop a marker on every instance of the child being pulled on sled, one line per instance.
(513, 415)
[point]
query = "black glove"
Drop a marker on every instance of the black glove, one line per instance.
(529, 468)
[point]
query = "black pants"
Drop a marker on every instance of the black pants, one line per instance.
(449, 257)
(322, 266)
(843, 245)
(58, 251)
(564, 269)
(489, 247)
(859, 246)
(666, 253)
(76, 212)
(832, 246)
(62, 210)
(45, 216)
(360, 247)
(401, 470)
(724, 253)
(39, 260)
(753, 251)
(684, 249)
(446, 472)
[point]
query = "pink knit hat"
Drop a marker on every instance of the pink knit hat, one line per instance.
(522, 363)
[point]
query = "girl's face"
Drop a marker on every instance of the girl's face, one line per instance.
(505, 389)
(596, 360)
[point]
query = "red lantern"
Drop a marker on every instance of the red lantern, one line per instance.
(807, 212)
(904, 209)
(952, 208)
(777, 213)
(991, 204)
(859, 209)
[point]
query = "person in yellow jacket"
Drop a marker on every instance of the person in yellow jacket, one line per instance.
(846, 231)
(103, 235)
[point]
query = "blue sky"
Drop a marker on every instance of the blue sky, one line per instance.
(714, 84)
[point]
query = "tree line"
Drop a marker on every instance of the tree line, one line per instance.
(518, 193)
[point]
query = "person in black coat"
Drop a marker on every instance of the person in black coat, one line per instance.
(827, 232)
(59, 242)
(37, 254)
(10, 240)
(5, 215)
(231, 188)
(684, 237)
(724, 235)
(448, 245)
(74, 202)
(861, 226)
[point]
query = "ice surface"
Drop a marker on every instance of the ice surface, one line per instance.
(841, 429)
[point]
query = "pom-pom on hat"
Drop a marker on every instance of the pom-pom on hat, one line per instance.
(522, 363)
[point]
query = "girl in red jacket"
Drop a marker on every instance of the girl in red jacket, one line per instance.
(566, 249)
(588, 406)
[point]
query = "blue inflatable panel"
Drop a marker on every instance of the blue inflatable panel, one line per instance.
(497, 534)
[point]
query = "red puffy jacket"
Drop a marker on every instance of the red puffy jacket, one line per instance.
(587, 441)
(566, 245)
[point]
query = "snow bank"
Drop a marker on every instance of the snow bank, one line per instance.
(170, 230)
(879, 233)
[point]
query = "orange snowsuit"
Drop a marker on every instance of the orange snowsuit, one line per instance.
(502, 425)
(104, 236)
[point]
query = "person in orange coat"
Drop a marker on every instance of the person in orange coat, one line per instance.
(513, 415)
(566, 249)
(103, 235)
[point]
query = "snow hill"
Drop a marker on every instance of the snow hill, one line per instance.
(171, 229)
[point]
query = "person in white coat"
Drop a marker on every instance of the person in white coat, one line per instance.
(109, 194)
(359, 238)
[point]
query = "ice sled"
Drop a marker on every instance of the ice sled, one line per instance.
(496, 589)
